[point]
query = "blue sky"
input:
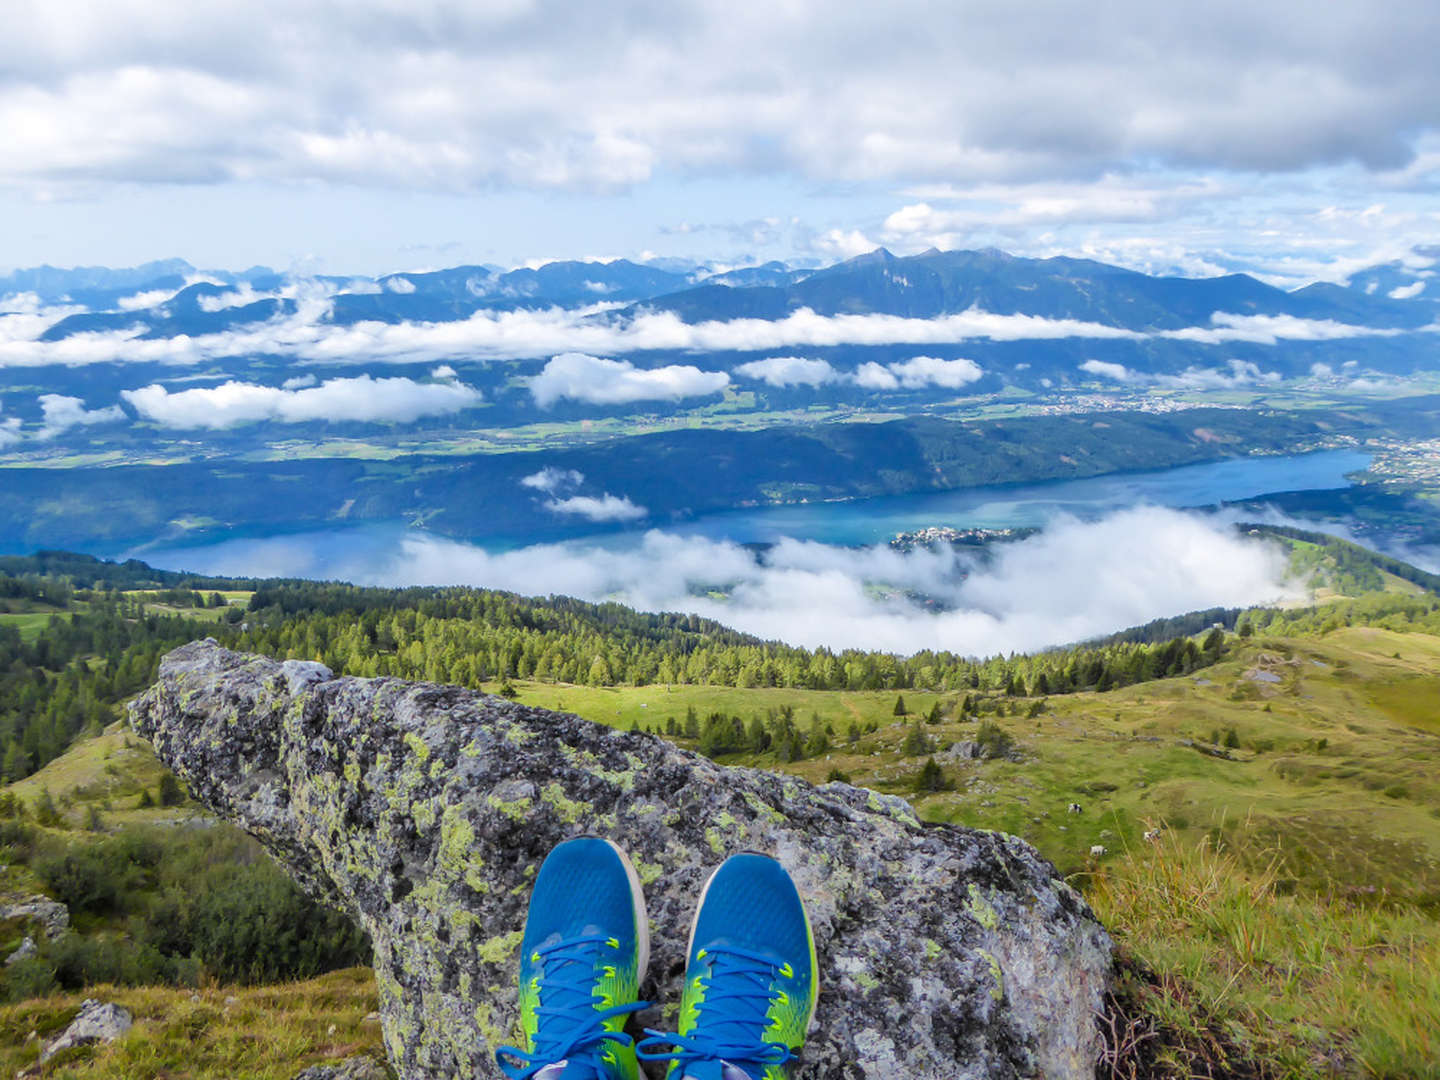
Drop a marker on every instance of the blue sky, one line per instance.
(1296, 140)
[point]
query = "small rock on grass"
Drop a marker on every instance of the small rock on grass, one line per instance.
(353, 1068)
(96, 1022)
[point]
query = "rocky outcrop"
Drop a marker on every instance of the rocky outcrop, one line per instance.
(97, 1022)
(425, 810)
(24, 951)
(52, 916)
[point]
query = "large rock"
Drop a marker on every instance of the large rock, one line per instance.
(425, 811)
(97, 1021)
(52, 916)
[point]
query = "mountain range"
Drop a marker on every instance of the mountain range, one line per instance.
(171, 297)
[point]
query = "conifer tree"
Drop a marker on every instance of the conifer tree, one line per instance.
(931, 778)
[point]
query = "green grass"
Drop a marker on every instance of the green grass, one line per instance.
(260, 1033)
(1308, 985)
(29, 623)
(108, 772)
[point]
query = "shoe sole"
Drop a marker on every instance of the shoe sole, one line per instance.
(809, 932)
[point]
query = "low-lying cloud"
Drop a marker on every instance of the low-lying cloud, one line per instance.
(1074, 581)
(917, 373)
(363, 399)
(552, 479)
(1235, 374)
(598, 381)
(308, 335)
(787, 371)
(61, 413)
(9, 431)
(914, 374)
(599, 508)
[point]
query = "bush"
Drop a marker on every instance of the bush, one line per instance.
(993, 740)
(202, 902)
(252, 924)
(836, 774)
(170, 793)
(26, 979)
(917, 743)
(99, 878)
(931, 778)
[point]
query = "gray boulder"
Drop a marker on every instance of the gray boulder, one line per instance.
(97, 1022)
(24, 951)
(352, 1068)
(52, 915)
(425, 810)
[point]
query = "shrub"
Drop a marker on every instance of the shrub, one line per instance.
(994, 740)
(29, 978)
(170, 793)
(917, 743)
(931, 778)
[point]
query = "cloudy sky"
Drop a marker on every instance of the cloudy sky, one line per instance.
(1298, 140)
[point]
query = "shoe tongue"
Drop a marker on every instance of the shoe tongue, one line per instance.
(552, 1072)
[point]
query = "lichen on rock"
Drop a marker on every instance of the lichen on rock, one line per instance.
(425, 811)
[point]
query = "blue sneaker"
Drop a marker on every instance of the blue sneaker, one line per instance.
(583, 954)
(750, 981)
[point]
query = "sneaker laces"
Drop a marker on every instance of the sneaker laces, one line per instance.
(736, 1005)
(568, 997)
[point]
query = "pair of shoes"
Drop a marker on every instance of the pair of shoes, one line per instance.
(750, 979)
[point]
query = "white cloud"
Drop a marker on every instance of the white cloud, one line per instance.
(62, 413)
(1236, 373)
(605, 507)
(142, 300)
(298, 382)
(598, 381)
(9, 431)
(25, 303)
(873, 376)
(1268, 329)
(917, 372)
(551, 479)
(399, 285)
(1104, 368)
(456, 99)
(1074, 581)
(1407, 292)
(789, 371)
(843, 243)
(444, 371)
(920, 371)
(362, 399)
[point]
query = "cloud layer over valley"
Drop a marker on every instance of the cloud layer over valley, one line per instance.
(1075, 580)
(578, 339)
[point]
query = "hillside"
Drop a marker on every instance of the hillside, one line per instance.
(1287, 773)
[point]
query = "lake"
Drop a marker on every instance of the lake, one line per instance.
(343, 553)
